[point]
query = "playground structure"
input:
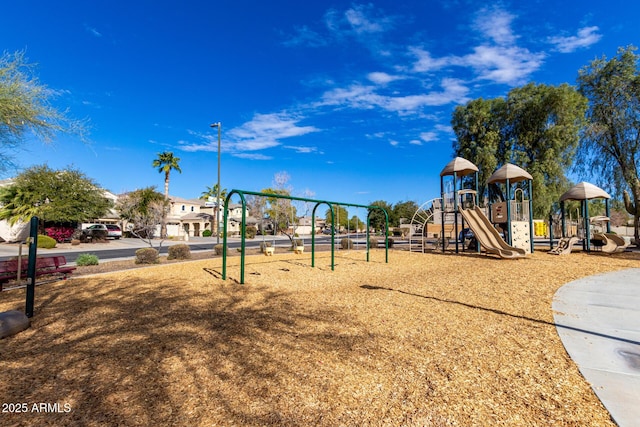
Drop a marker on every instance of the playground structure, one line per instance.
(424, 223)
(515, 211)
(604, 241)
(242, 193)
(457, 209)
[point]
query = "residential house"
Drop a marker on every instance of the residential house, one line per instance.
(187, 217)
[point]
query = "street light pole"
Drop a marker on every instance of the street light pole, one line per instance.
(219, 126)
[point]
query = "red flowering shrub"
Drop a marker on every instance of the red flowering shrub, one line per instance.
(60, 234)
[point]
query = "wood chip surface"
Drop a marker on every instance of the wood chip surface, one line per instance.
(425, 340)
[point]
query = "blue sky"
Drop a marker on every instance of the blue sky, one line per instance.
(353, 100)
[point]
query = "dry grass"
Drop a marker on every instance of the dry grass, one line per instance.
(428, 339)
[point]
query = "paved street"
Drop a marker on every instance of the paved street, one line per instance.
(126, 248)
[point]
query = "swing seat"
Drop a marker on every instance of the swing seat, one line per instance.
(269, 251)
(298, 249)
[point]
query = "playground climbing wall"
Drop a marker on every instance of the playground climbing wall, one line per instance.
(521, 235)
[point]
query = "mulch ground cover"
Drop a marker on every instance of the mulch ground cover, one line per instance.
(427, 339)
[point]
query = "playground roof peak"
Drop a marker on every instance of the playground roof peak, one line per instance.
(460, 167)
(510, 172)
(585, 191)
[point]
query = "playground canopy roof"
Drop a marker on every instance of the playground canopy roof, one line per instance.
(585, 191)
(509, 172)
(460, 167)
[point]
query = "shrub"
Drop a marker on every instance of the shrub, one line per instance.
(75, 242)
(99, 236)
(250, 232)
(346, 243)
(180, 251)
(60, 234)
(390, 242)
(207, 233)
(147, 256)
(218, 249)
(87, 259)
(46, 242)
(373, 242)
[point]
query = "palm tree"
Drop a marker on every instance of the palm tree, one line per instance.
(213, 192)
(166, 162)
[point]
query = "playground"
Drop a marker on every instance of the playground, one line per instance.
(426, 339)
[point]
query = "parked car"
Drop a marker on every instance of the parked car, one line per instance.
(102, 230)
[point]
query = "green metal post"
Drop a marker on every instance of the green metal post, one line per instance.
(588, 225)
(280, 196)
(455, 208)
(508, 230)
(442, 215)
(531, 231)
(31, 268)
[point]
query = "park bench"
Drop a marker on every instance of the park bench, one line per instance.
(44, 266)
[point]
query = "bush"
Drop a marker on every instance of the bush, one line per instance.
(180, 251)
(75, 242)
(218, 249)
(46, 242)
(346, 243)
(87, 259)
(373, 242)
(207, 233)
(250, 232)
(147, 256)
(60, 234)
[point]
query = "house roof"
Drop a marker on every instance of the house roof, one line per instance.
(196, 216)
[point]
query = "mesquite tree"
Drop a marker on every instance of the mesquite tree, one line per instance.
(611, 142)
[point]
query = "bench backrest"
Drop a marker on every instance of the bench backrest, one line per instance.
(11, 265)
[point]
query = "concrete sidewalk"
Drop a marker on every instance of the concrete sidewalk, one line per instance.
(598, 320)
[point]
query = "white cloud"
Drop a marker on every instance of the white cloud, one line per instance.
(497, 59)
(365, 98)
(444, 128)
(586, 37)
(304, 36)
(502, 64)
(429, 136)
(415, 142)
(262, 132)
(92, 31)
(266, 131)
(252, 156)
(359, 20)
(495, 24)
(300, 149)
(426, 62)
(394, 143)
(356, 96)
(382, 78)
